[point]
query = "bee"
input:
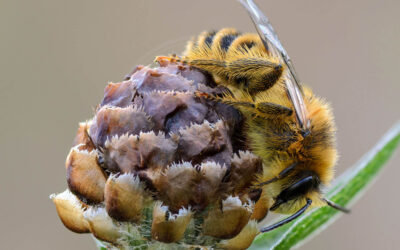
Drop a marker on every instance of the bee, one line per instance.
(286, 125)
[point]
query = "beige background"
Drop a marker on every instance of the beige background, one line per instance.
(57, 56)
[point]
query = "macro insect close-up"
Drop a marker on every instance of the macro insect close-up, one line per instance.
(217, 138)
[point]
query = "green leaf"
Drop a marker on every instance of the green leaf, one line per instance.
(348, 187)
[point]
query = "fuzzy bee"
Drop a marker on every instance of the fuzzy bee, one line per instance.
(287, 126)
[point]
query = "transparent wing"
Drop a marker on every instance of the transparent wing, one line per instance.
(274, 46)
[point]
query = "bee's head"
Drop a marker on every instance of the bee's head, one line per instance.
(302, 193)
(303, 184)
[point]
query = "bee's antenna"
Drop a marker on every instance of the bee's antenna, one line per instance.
(288, 219)
(336, 206)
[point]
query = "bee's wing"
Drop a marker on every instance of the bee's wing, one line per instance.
(274, 46)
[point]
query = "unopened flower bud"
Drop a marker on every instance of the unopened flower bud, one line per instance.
(160, 167)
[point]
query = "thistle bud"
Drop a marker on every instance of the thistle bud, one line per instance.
(160, 167)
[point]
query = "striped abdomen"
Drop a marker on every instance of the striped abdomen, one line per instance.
(235, 59)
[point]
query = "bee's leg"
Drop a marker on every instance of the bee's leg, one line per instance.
(273, 109)
(267, 109)
(281, 175)
(223, 99)
(255, 74)
(163, 59)
(262, 109)
(212, 66)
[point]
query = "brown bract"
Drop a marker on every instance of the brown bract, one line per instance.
(124, 198)
(169, 228)
(243, 240)
(84, 176)
(70, 210)
(101, 225)
(227, 222)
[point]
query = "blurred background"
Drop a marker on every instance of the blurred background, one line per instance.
(57, 57)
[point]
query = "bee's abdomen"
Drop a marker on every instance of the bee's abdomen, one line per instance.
(208, 38)
(224, 38)
(224, 41)
(234, 59)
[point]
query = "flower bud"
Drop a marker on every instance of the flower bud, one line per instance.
(159, 167)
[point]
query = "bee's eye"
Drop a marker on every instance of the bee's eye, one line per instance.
(297, 189)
